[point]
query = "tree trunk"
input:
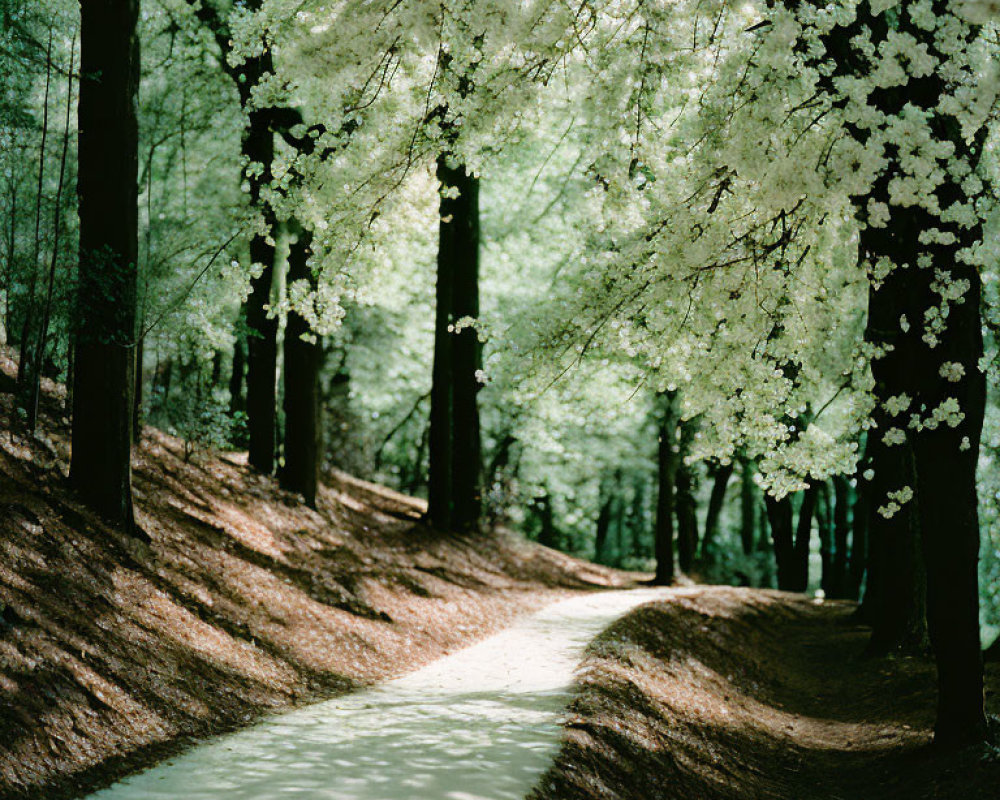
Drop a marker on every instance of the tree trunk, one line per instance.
(948, 508)
(455, 475)
(923, 364)
(107, 185)
(687, 503)
(8, 275)
(25, 369)
(841, 534)
(894, 601)
(461, 243)
(262, 329)
(803, 537)
(617, 548)
(748, 508)
(720, 482)
(687, 518)
(637, 518)
(824, 523)
(779, 517)
(606, 498)
(303, 360)
(663, 540)
(547, 533)
(858, 562)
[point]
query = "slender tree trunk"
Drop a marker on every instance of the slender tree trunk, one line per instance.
(25, 369)
(617, 548)
(720, 482)
(860, 510)
(637, 518)
(663, 540)
(547, 534)
(463, 244)
(803, 536)
(748, 508)
(262, 328)
(303, 360)
(687, 518)
(779, 517)
(8, 322)
(765, 545)
(824, 522)
(606, 498)
(841, 534)
(33, 376)
(107, 184)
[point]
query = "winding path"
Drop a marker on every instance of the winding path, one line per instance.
(480, 724)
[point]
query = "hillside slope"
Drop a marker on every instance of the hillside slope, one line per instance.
(747, 694)
(113, 654)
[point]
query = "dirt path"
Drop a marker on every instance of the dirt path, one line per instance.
(480, 724)
(246, 603)
(733, 694)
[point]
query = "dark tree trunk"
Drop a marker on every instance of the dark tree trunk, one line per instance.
(303, 360)
(687, 503)
(25, 368)
(687, 518)
(779, 517)
(894, 601)
(462, 245)
(765, 545)
(824, 523)
(258, 149)
(919, 361)
(720, 482)
(455, 475)
(106, 302)
(841, 534)
(617, 548)
(262, 329)
(948, 508)
(33, 377)
(8, 274)
(803, 535)
(606, 499)
(858, 562)
(439, 476)
(663, 539)
(637, 518)
(547, 533)
(748, 508)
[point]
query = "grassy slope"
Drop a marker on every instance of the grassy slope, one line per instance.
(114, 654)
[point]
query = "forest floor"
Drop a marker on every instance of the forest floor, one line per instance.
(746, 694)
(116, 654)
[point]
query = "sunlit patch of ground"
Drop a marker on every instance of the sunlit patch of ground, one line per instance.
(740, 694)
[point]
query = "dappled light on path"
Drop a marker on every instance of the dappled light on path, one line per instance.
(480, 724)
